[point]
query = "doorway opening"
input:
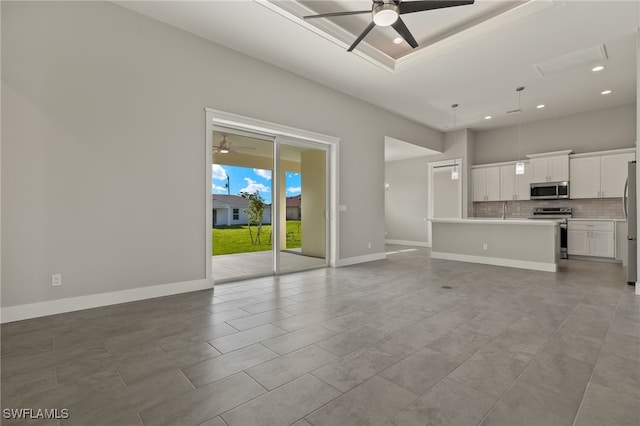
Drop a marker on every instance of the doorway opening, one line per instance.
(445, 191)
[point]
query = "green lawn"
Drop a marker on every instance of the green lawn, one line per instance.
(236, 238)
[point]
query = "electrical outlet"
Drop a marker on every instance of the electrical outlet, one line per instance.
(369, 244)
(56, 280)
(485, 246)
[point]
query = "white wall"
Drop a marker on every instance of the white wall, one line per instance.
(224, 216)
(406, 201)
(103, 147)
(600, 130)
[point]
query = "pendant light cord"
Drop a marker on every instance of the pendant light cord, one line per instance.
(454, 171)
(519, 90)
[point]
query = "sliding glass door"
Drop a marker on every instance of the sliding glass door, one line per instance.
(269, 204)
(242, 204)
(302, 209)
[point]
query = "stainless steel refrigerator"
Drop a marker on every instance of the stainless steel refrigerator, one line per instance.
(630, 213)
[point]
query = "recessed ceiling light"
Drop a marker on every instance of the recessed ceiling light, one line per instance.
(597, 68)
(606, 92)
(488, 117)
(397, 40)
(541, 106)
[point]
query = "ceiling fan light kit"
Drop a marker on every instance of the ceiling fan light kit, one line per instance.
(225, 147)
(385, 13)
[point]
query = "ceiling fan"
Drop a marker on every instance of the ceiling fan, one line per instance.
(386, 13)
(225, 147)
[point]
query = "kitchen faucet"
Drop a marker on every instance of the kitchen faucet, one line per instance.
(504, 210)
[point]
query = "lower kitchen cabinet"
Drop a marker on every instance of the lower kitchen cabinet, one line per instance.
(591, 238)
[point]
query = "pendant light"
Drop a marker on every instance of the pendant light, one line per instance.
(455, 174)
(520, 164)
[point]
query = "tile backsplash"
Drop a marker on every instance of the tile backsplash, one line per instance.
(592, 208)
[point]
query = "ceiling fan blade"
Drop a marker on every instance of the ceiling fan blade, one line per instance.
(328, 15)
(402, 29)
(363, 35)
(419, 6)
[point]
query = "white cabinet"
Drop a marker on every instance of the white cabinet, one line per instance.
(512, 186)
(577, 242)
(585, 177)
(550, 169)
(600, 176)
(486, 184)
(591, 238)
(613, 174)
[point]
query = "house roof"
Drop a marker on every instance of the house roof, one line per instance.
(222, 200)
(294, 201)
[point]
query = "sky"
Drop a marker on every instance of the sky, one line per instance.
(243, 179)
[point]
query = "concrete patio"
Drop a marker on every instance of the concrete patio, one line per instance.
(229, 267)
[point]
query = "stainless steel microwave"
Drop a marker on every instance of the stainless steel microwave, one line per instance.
(550, 191)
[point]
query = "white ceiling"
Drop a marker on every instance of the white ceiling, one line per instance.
(477, 65)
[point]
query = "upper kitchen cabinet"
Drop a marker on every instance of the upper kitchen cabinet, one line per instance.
(601, 174)
(550, 167)
(486, 183)
(513, 186)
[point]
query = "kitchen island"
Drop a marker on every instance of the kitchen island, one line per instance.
(516, 243)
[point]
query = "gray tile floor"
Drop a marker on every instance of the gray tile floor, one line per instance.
(382, 343)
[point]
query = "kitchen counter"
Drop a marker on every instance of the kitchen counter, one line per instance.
(517, 243)
(507, 221)
(598, 218)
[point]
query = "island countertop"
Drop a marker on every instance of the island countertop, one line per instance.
(497, 220)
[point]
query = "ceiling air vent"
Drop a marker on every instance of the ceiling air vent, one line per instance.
(581, 58)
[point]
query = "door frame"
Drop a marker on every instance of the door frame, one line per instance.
(215, 118)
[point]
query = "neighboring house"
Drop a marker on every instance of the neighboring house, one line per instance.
(229, 210)
(293, 207)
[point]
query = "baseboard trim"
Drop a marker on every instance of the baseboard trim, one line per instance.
(360, 259)
(595, 259)
(497, 261)
(408, 243)
(71, 304)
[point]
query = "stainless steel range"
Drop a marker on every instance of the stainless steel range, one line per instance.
(561, 214)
